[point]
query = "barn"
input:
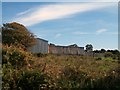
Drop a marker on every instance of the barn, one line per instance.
(66, 50)
(41, 46)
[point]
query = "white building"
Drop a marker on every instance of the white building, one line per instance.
(41, 46)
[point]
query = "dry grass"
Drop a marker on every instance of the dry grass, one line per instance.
(53, 65)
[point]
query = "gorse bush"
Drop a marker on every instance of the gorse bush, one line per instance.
(108, 54)
(15, 33)
(15, 74)
(98, 58)
(78, 79)
(72, 78)
(59, 75)
(40, 54)
(33, 81)
(14, 79)
(15, 56)
(56, 72)
(10, 77)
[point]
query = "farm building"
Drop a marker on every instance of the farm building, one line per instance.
(69, 50)
(41, 46)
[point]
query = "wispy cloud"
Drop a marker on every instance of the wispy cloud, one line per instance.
(56, 11)
(24, 12)
(101, 31)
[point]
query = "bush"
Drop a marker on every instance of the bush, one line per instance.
(15, 33)
(23, 80)
(33, 81)
(64, 71)
(40, 54)
(99, 58)
(15, 56)
(72, 78)
(108, 54)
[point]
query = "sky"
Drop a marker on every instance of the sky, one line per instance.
(60, 0)
(67, 23)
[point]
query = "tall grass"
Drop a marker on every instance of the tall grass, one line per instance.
(57, 71)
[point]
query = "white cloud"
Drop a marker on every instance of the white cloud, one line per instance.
(24, 12)
(101, 31)
(56, 11)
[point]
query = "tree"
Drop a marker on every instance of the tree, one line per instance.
(108, 54)
(103, 51)
(89, 47)
(96, 51)
(17, 34)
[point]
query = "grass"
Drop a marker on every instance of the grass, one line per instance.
(56, 63)
(57, 71)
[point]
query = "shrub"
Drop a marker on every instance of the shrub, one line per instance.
(15, 33)
(108, 59)
(33, 81)
(15, 56)
(108, 54)
(23, 80)
(99, 58)
(71, 78)
(64, 71)
(40, 54)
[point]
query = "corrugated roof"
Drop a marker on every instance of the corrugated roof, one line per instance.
(42, 39)
(74, 46)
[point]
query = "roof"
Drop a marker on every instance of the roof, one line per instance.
(42, 39)
(74, 45)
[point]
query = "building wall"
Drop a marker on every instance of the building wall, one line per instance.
(66, 50)
(40, 47)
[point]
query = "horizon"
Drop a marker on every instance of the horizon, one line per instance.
(68, 23)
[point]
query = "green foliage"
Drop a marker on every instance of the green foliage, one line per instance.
(72, 78)
(103, 51)
(40, 54)
(16, 56)
(63, 72)
(98, 58)
(17, 34)
(33, 81)
(57, 71)
(89, 47)
(108, 59)
(23, 80)
(108, 54)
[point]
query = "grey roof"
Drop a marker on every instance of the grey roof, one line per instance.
(74, 45)
(42, 39)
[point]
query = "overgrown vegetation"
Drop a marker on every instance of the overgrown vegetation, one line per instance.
(40, 54)
(57, 71)
(23, 70)
(17, 34)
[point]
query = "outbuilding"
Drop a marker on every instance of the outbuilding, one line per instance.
(41, 46)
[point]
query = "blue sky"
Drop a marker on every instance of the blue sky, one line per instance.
(68, 23)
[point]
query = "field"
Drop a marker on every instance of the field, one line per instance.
(25, 71)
